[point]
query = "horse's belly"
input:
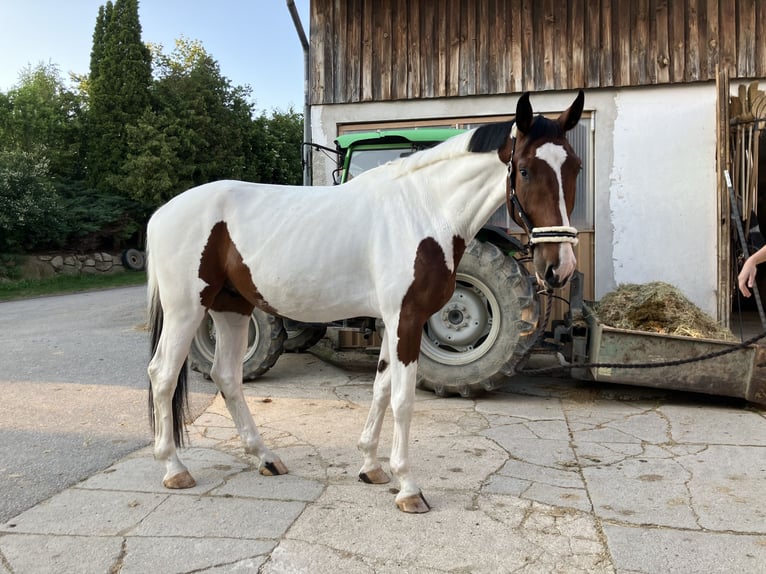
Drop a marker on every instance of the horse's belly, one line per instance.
(317, 293)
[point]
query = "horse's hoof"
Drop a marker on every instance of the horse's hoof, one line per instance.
(180, 480)
(274, 468)
(413, 504)
(375, 476)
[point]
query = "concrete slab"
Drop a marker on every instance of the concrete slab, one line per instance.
(40, 553)
(171, 554)
(650, 550)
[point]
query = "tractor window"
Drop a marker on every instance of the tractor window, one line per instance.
(366, 159)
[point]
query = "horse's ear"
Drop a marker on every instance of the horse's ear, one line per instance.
(524, 114)
(569, 118)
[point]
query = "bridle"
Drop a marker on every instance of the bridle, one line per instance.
(552, 234)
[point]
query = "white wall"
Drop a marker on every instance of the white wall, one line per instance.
(654, 172)
(662, 190)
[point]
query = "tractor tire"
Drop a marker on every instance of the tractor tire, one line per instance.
(483, 334)
(265, 342)
(301, 339)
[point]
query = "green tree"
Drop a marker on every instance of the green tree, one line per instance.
(196, 131)
(120, 77)
(29, 204)
(274, 151)
(40, 115)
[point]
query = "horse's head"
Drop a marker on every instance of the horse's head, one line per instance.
(543, 176)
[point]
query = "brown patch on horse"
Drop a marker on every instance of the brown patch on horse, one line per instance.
(229, 282)
(431, 288)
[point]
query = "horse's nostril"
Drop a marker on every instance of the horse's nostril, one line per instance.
(552, 279)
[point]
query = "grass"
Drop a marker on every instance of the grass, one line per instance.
(63, 284)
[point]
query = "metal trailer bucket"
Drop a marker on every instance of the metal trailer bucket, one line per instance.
(741, 373)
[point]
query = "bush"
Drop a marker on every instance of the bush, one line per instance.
(30, 207)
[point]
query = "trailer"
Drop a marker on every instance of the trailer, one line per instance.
(594, 351)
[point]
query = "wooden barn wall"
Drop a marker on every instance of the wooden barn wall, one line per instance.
(380, 50)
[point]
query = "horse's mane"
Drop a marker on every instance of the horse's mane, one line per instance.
(452, 148)
(490, 137)
(486, 138)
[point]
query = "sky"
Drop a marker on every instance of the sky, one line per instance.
(254, 41)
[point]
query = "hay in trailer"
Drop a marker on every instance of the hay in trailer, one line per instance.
(657, 307)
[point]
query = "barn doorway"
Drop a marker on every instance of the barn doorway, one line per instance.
(747, 167)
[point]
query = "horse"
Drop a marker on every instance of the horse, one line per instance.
(386, 244)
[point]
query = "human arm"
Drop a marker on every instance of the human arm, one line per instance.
(746, 278)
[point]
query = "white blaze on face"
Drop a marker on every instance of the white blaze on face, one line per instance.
(555, 155)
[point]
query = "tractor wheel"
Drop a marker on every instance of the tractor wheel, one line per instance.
(300, 339)
(265, 341)
(480, 337)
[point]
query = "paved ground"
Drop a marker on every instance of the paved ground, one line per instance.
(73, 386)
(549, 475)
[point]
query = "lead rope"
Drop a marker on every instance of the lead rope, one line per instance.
(538, 335)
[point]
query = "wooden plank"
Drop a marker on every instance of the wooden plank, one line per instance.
(528, 46)
(442, 45)
(382, 62)
(427, 51)
(413, 55)
(400, 49)
(677, 41)
(607, 65)
(659, 39)
(317, 67)
(639, 41)
(712, 42)
(453, 64)
(621, 42)
(592, 45)
(692, 48)
(516, 39)
(576, 46)
(746, 38)
(760, 46)
(367, 49)
(485, 80)
(727, 33)
(354, 47)
(498, 38)
(545, 51)
(467, 61)
(562, 57)
(340, 63)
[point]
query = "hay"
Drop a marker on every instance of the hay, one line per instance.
(657, 307)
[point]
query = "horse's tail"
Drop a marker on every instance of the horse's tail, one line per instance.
(180, 396)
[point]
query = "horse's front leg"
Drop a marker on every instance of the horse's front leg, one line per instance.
(404, 347)
(231, 346)
(371, 471)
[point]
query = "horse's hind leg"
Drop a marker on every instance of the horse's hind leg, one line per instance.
(164, 368)
(231, 346)
(371, 471)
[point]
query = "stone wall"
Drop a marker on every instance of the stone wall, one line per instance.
(42, 266)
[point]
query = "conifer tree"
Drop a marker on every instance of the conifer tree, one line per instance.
(120, 77)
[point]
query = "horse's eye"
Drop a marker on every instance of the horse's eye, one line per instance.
(523, 172)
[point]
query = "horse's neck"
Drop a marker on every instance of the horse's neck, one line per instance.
(469, 192)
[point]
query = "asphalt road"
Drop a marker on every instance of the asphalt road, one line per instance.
(73, 391)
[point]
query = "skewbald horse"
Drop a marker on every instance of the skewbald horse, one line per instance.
(386, 244)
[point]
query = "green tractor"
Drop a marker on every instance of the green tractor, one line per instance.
(472, 344)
